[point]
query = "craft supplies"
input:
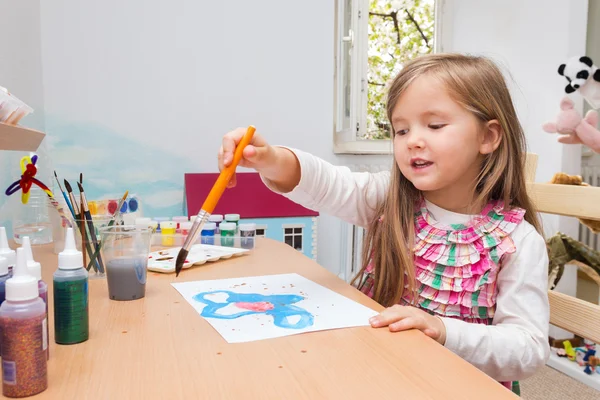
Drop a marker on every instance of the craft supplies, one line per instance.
(164, 260)
(71, 314)
(80, 225)
(179, 220)
(207, 235)
(167, 229)
(227, 231)
(88, 217)
(6, 251)
(35, 269)
(154, 226)
(233, 218)
(213, 198)
(11, 108)
(24, 341)
(125, 249)
(185, 226)
(4, 276)
(32, 218)
(216, 218)
(247, 235)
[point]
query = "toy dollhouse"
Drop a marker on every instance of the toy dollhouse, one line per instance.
(275, 216)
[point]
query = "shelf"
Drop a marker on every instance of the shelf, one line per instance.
(551, 198)
(572, 369)
(17, 137)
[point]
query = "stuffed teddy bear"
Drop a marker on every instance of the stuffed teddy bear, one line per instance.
(560, 178)
(574, 128)
(583, 76)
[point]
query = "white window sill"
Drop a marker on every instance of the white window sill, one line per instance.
(363, 147)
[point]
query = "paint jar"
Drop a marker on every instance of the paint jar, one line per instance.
(227, 230)
(143, 222)
(24, 340)
(133, 203)
(71, 312)
(233, 218)
(217, 219)
(102, 206)
(167, 230)
(185, 226)
(111, 207)
(93, 207)
(160, 220)
(207, 235)
(179, 220)
(31, 219)
(125, 250)
(247, 235)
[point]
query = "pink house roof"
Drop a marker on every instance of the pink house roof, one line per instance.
(250, 198)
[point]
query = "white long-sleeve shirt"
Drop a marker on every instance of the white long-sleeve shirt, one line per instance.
(516, 344)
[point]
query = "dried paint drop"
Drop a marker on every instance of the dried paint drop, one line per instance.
(219, 353)
(176, 302)
(281, 366)
(124, 332)
(303, 351)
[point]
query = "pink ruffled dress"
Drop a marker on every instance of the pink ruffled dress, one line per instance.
(457, 265)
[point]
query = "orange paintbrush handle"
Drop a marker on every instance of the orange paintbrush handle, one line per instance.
(221, 184)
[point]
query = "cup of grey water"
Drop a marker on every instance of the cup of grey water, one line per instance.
(125, 250)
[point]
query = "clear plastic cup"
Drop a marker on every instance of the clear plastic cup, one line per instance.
(125, 250)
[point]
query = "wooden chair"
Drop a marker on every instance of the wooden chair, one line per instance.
(574, 315)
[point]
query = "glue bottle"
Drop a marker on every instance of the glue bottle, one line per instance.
(6, 251)
(71, 314)
(24, 341)
(3, 277)
(35, 269)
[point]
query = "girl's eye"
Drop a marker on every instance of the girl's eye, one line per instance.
(436, 126)
(401, 132)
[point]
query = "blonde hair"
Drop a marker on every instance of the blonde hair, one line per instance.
(478, 85)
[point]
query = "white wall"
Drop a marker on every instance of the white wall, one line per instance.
(171, 74)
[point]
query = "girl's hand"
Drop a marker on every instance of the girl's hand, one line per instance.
(400, 318)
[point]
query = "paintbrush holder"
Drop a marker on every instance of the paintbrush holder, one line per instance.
(89, 242)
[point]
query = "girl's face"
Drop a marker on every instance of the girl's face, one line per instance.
(438, 145)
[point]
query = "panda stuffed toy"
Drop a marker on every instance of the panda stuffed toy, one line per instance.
(583, 76)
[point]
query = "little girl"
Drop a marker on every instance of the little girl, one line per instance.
(453, 242)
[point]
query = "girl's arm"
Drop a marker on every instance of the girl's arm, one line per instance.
(335, 190)
(516, 345)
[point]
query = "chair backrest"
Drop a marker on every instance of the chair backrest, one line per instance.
(572, 314)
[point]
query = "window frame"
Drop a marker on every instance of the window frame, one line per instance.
(294, 234)
(345, 140)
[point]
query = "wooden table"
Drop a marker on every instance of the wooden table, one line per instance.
(160, 348)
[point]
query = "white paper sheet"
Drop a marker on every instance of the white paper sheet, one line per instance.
(263, 307)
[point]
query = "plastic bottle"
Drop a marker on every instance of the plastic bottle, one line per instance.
(24, 341)
(35, 269)
(33, 218)
(6, 251)
(71, 313)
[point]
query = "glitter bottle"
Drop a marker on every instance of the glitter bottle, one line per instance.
(71, 314)
(35, 269)
(24, 341)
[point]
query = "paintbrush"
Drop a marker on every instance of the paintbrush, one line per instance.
(86, 214)
(112, 221)
(212, 199)
(65, 195)
(79, 215)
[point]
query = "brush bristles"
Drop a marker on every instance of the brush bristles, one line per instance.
(181, 257)
(68, 186)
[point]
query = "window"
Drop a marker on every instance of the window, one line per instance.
(261, 230)
(374, 38)
(292, 235)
